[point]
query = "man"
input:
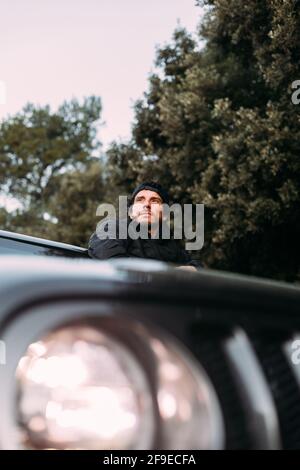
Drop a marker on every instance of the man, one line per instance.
(147, 211)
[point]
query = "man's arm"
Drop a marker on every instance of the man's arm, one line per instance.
(106, 248)
(187, 263)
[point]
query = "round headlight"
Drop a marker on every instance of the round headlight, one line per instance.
(81, 389)
(114, 383)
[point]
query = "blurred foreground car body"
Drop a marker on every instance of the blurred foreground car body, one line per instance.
(132, 354)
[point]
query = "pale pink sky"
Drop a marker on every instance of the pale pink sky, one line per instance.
(53, 50)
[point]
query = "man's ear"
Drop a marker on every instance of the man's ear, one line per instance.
(130, 212)
(164, 217)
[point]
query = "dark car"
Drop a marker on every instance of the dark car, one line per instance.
(16, 244)
(133, 354)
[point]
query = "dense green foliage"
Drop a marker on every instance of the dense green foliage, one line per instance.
(46, 163)
(216, 125)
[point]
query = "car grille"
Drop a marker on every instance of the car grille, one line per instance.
(209, 346)
(208, 349)
(284, 387)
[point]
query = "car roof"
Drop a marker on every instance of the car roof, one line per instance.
(40, 241)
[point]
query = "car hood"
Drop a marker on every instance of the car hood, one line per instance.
(139, 277)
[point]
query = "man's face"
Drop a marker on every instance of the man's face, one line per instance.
(147, 207)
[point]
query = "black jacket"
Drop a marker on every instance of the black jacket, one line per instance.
(159, 249)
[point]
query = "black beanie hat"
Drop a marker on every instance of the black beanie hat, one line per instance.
(152, 186)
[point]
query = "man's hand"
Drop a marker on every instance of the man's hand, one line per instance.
(187, 268)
